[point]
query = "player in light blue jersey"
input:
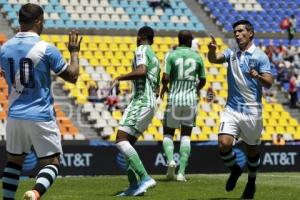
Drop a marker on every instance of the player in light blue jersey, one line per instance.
(248, 71)
(27, 62)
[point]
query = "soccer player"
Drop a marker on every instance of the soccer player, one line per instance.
(26, 62)
(184, 73)
(140, 111)
(248, 71)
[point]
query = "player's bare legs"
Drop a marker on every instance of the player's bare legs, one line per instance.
(253, 163)
(185, 151)
(168, 146)
(11, 175)
(45, 178)
(229, 158)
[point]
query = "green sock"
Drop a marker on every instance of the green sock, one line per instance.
(133, 158)
(168, 146)
(185, 150)
(131, 175)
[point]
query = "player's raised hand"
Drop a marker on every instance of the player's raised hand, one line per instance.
(74, 41)
(213, 44)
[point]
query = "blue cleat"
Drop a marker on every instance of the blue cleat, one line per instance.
(144, 185)
(129, 192)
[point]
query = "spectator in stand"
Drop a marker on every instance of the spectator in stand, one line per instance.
(290, 53)
(276, 58)
(159, 3)
(293, 91)
(282, 50)
(279, 140)
(261, 46)
(292, 28)
(269, 52)
(93, 93)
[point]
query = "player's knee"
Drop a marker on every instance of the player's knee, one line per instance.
(50, 160)
(224, 144)
(16, 159)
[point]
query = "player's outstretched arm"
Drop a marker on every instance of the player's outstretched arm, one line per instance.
(213, 56)
(72, 72)
(139, 72)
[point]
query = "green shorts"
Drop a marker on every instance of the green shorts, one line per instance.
(136, 119)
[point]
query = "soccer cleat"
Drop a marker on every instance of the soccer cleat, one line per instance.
(129, 192)
(234, 176)
(249, 191)
(144, 185)
(171, 170)
(180, 177)
(31, 195)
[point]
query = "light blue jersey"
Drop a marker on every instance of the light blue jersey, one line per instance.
(245, 92)
(27, 61)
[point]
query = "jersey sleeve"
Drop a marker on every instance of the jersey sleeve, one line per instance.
(264, 64)
(56, 61)
(226, 54)
(140, 56)
(167, 63)
(201, 70)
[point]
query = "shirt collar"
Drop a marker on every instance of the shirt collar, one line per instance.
(250, 50)
(27, 34)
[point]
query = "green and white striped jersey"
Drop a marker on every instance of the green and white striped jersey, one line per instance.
(184, 67)
(144, 89)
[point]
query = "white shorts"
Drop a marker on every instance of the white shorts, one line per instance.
(241, 125)
(43, 136)
(180, 115)
(137, 124)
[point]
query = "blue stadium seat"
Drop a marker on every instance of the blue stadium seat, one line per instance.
(134, 9)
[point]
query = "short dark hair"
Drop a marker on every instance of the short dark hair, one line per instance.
(29, 12)
(185, 37)
(248, 25)
(146, 32)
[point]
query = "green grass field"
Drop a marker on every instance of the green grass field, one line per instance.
(272, 186)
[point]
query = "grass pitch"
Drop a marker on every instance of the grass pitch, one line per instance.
(274, 186)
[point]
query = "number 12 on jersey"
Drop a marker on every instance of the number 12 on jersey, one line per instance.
(186, 68)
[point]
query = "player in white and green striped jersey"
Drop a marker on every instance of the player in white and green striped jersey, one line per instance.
(139, 113)
(185, 75)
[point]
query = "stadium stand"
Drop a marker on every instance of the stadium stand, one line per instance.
(114, 14)
(266, 15)
(104, 57)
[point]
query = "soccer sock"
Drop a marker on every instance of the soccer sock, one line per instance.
(10, 180)
(185, 150)
(132, 156)
(131, 175)
(229, 159)
(253, 165)
(45, 178)
(168, 146)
